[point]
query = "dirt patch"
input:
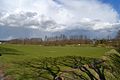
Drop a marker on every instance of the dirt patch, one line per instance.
(3, 76)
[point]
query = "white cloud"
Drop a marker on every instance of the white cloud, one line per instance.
(58, 15)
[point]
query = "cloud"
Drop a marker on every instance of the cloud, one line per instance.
(57, 15)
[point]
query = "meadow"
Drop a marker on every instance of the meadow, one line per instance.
(20, 52)
(12, 54)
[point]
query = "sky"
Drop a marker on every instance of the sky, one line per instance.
(37, 18)
(114, 3)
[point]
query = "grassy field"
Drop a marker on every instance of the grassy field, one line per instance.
(13, 55)
(23, 52)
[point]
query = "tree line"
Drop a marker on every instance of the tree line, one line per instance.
(55, 40)
(63, 40)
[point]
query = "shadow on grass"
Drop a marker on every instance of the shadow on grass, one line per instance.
(9, 51)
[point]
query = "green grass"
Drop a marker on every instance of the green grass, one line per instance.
(12, 54)
(24, 52)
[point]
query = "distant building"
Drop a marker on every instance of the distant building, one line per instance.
(3, 41)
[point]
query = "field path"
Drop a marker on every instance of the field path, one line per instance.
(2, 76)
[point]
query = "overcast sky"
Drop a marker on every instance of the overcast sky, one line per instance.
(28, 18)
